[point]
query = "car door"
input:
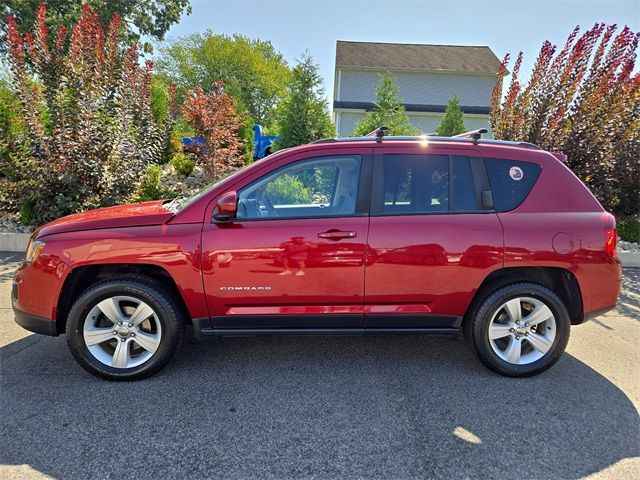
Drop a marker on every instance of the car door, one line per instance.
(294, 255)
(432, 241)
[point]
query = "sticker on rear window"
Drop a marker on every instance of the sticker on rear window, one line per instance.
(516, 173)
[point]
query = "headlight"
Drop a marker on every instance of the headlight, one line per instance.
(33, 250)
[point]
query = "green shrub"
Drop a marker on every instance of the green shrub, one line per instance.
(87, 118)
(183, 163)
(174, 145)
(287, 189)
(151, 188)
(629, 230)
(27, 214)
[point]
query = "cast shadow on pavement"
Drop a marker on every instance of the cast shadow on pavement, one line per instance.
(629, 299)
(313, 407)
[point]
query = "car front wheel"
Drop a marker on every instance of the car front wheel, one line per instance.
(124, 328)
(520, 330)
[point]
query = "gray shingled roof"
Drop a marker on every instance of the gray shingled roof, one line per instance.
(451, 58)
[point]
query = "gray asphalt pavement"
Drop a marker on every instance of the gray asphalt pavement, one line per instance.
(396, 407)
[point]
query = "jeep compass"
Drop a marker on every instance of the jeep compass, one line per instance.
(374, 235)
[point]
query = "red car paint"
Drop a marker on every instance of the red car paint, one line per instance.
(379, 269)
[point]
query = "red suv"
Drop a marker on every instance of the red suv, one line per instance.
(364, 235)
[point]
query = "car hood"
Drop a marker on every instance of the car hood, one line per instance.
(137, 214)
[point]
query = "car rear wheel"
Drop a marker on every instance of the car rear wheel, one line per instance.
(124, 328)
(520, 330)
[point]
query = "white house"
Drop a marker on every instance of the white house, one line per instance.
(428, 76)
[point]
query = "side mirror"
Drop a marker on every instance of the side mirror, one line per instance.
(226, 207)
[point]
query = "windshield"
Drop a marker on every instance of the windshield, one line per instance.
(181, 201)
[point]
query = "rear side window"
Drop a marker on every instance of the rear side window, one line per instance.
(462, 186)
(511, 181)
(416, 183)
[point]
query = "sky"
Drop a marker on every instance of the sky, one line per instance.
(505, 26)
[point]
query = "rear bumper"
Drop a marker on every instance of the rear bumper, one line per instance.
(35, 324)
(600, 285)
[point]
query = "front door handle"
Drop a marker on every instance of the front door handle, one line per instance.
(337, 234)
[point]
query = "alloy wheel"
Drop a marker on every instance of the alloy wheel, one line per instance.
(522, 330)
(122, 332)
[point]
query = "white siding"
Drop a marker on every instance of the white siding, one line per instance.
(418, 87)
(426, 122)
(347, 122)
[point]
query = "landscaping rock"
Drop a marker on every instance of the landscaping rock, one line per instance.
(171, 180)
(10, 223)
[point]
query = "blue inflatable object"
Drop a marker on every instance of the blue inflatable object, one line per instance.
(261, 143)
(190, 143)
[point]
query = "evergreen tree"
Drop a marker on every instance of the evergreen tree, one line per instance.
(302, 115)
(388, 111)
(453, 121)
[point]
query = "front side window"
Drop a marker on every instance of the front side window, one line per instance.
(316, 187)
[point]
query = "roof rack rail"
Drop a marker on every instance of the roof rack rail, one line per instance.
(430, 138)
(378, 133)
(474, 134)
(529, 145)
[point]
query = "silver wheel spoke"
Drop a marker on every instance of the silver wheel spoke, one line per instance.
(539, 342)
(96, 336)
(142, 312)
(124, 344)
(513, 309)
(148, 341)
(513, 351)
(527, 336)
(498, 330)
(121, 355)
(540, 314)
(111, 310)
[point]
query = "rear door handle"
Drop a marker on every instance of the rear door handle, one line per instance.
(337, 234)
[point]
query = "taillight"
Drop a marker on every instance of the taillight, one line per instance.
(610, 241)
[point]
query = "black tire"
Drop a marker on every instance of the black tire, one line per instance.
(165, 306)
(476, 329)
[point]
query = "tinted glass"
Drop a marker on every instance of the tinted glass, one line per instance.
(463, 188)
(416, 183)
(317, 187)
(511, 181)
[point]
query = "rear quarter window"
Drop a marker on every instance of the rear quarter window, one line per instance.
(511, 181)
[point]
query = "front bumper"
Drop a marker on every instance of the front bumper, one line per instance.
(34, 294)
(35, 324)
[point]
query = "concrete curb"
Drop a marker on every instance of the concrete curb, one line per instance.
(14, 242)
(629, 259)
